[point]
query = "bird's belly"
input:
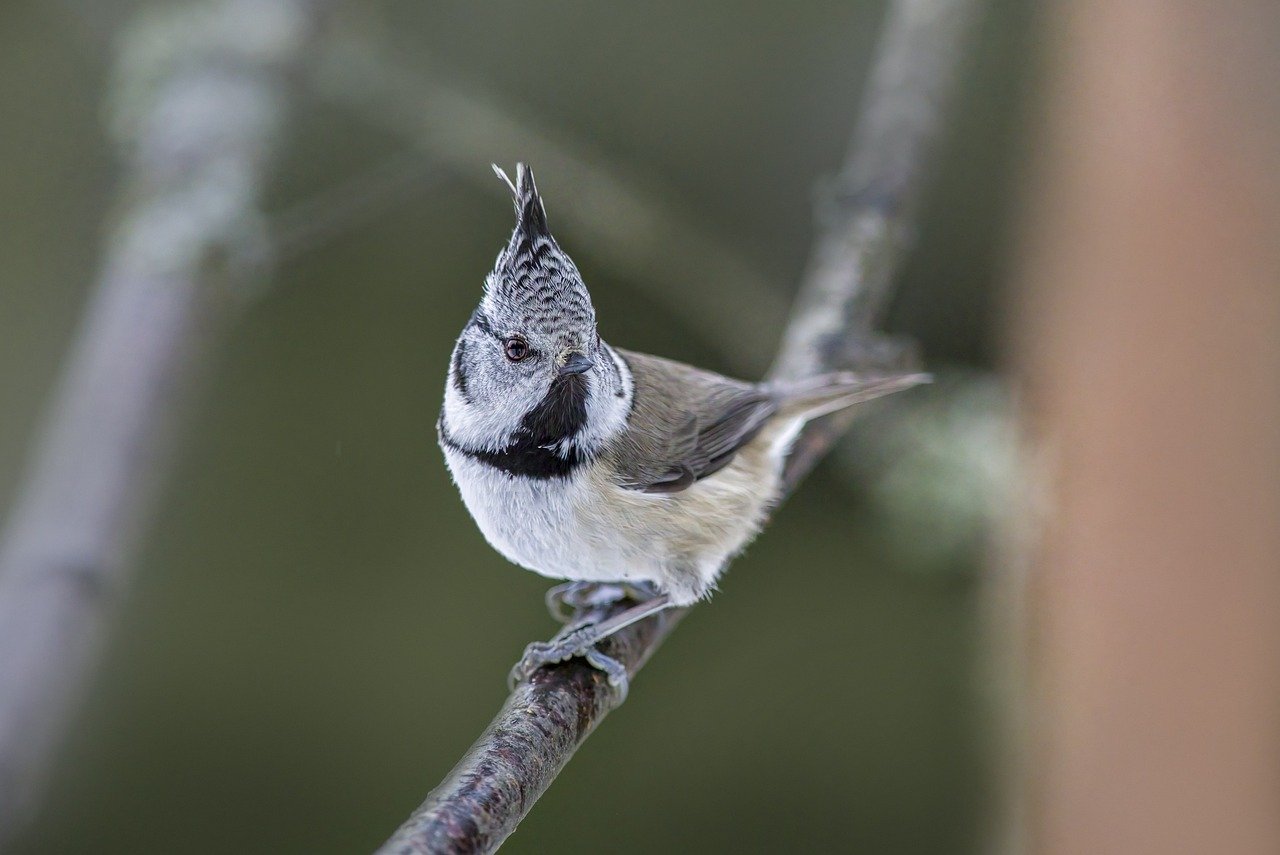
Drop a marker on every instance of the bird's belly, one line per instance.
(538, 524)
(586, 528)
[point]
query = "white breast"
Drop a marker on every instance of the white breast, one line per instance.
(529, 520)
(585, 527)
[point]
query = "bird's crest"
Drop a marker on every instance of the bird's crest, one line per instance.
(531, 216)
(532, 271)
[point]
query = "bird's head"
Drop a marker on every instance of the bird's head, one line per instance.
(530, 366)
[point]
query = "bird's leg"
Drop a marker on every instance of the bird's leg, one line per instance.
(580, 639)
(566, 600)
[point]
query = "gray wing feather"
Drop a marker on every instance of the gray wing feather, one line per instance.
(717, 442)
(686, 424)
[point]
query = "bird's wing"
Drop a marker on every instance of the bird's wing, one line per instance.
(685, 424)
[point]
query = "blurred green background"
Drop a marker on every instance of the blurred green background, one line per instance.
(317, 631)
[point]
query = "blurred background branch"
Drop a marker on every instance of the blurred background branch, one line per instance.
(621, 215)
(196, 110)
(864, 228)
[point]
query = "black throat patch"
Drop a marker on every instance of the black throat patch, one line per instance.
(534, 454)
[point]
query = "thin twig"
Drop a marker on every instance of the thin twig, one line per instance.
(632, 227)
(866, 227)
(346, 205)
(196, 109)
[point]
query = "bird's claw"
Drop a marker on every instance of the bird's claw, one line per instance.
(576, 640)
(614, 671)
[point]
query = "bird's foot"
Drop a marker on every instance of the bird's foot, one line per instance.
(566, 600)
(574, 640)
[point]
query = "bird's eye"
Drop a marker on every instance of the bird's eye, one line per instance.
(516, 349)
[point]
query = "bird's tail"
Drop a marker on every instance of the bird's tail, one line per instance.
(817, 396)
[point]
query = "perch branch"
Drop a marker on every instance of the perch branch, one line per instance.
(196, 110)
(866, 226)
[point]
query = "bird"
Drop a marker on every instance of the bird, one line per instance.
(626, 474)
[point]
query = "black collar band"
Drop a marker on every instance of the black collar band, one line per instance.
(521, 458)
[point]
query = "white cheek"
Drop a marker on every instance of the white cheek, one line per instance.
(606, 416)
(492, 415)
(606, 410)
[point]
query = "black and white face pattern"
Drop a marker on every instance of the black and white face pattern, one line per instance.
(532, 389)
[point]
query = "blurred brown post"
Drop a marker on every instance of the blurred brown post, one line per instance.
(1150, 341)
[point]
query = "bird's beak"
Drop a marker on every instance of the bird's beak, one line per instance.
(575, 364)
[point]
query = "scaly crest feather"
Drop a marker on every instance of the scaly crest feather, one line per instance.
(532, 276)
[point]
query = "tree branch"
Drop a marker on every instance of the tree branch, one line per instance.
(196, 110)
(866, 227)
